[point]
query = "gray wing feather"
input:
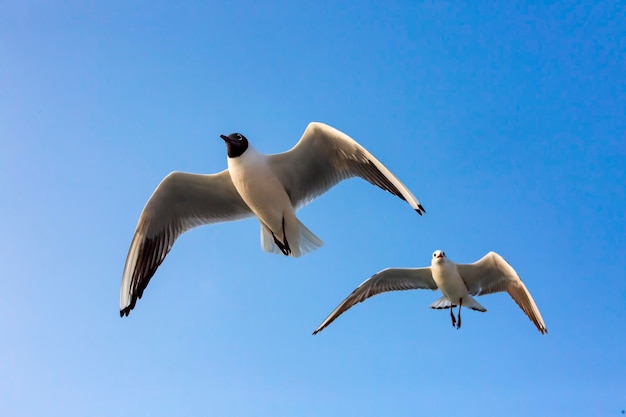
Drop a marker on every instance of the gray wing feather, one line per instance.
(323, 157)
(493, 274)
(180, 202)
(390, 279)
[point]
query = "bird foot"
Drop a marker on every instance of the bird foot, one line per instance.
(284, 247)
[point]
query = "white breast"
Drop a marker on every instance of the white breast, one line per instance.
(259, 187)
(448, 279)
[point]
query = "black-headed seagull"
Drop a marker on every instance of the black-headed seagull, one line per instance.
(270, 187)
(458, 283)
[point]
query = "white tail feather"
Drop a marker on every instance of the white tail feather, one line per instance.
(267, 241)
(308, 241)
(443, 302)
(468, 302)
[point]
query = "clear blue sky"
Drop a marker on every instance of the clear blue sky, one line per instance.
(506, 121)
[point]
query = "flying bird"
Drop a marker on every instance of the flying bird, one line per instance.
(270, 187)
(459, 283)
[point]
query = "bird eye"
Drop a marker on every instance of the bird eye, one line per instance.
(239, 136)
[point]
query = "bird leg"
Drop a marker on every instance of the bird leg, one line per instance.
(284, 247)
(459, 315)
(452, 315)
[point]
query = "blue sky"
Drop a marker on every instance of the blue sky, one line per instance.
(506, 121)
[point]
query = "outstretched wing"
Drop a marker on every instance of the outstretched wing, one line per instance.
(390, 279)
(493, 274)
(180, 202)
(325, 156)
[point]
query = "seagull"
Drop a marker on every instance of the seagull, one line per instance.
(458, 283)
(270, 187)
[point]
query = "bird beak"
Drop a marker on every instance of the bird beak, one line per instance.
(439, 256)
(225, 138)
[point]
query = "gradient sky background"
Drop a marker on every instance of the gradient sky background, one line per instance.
(506, 121)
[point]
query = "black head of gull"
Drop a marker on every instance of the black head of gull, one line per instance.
(236, 144)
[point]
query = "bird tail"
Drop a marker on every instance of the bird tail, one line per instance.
(443, 302)
(267, 241)
(308, 241)
(468, 301)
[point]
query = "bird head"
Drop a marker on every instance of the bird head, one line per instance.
(438, 255)
(236, 143)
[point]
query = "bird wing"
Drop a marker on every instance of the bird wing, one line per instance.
(180, 202)
(390, 279)
(325, 156)
(493, 274)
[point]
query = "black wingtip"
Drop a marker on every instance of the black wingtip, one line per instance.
(420, 210)
(126, 310)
